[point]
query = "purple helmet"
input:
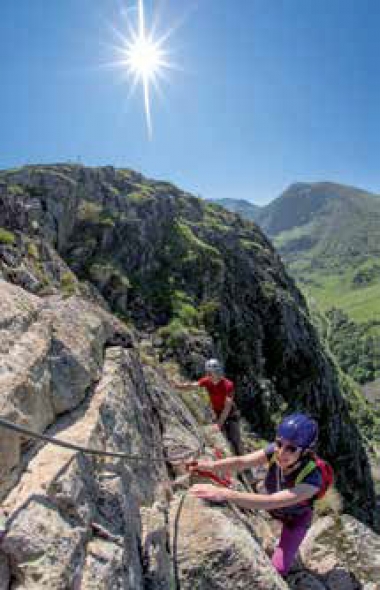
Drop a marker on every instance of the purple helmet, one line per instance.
(301, 430)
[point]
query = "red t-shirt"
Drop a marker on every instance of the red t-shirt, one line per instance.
(218, 392)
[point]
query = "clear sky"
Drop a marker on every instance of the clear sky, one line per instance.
(270, 92)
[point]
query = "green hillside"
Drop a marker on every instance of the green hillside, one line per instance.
(329, 236)
(340, 289)
(332, 226)
(240, 206)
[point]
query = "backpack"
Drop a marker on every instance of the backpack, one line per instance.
(315, 463)
(326, 471)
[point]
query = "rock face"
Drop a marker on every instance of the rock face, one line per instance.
(343, 552)
(65, 503)
(194, 281)
(207, 281)
(84, 522)
(51, 356)
(77, 521)
(215, 550)
(339, 553)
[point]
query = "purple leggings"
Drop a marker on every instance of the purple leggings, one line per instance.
(292, 535)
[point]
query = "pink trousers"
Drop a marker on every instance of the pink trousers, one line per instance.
(292, 535)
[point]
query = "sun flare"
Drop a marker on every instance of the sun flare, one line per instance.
(144, 58)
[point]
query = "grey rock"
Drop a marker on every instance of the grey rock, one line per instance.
(105, 568)
(68, 366)
(4, 572)
(51, 354)
(343, 552)
(304, 581)
(53, 508)
(215, 551)
(157, 561)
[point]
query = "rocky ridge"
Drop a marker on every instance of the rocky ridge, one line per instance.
(71, 368)
(82, 522)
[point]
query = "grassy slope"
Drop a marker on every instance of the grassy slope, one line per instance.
(338, 245)
(335, 290)
(329, 236)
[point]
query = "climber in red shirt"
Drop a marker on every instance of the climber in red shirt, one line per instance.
(221, 394)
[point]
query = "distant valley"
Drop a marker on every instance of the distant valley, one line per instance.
(329, 236)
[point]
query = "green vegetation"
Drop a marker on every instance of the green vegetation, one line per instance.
(174, 333)
(174, 289)
(331, 245)
(89, 211)
(33, 250)
(111, 189)
(329, 235)
(183, 310)
(6, 237)
(106, 220)
(15, 189)
(356, 346)
(368, 273)
(140, 193)
(240, 206)
(365, 414)
(290, 239)
(335, 258)
(208, 313)
(185, 319)
(197, 403)
(68, 284)
(196, 247)
(163, 186)
(354, 353)
(94, 214)
(126, 173)
(56, 171)
(139, 196)
(217, 217)
(10, 171)
(252, 246)
(336, 290)
(269, 289)
(106, 272)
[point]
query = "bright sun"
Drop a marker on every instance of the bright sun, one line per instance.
(144, 58)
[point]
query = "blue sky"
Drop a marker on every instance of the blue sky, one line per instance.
(270, 92)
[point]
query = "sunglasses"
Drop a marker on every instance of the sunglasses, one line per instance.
(289, 448)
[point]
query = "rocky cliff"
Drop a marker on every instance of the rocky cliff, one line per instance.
(189, 279)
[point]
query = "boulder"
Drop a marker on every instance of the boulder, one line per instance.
(51, 354)
(343, 552)
(65, 501)
(213, 550)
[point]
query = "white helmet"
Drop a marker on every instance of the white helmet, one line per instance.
(213, 366)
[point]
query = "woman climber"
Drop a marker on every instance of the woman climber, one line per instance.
(221, 394)
(294, 479)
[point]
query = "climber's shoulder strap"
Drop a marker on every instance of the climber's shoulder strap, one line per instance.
(305, 471)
